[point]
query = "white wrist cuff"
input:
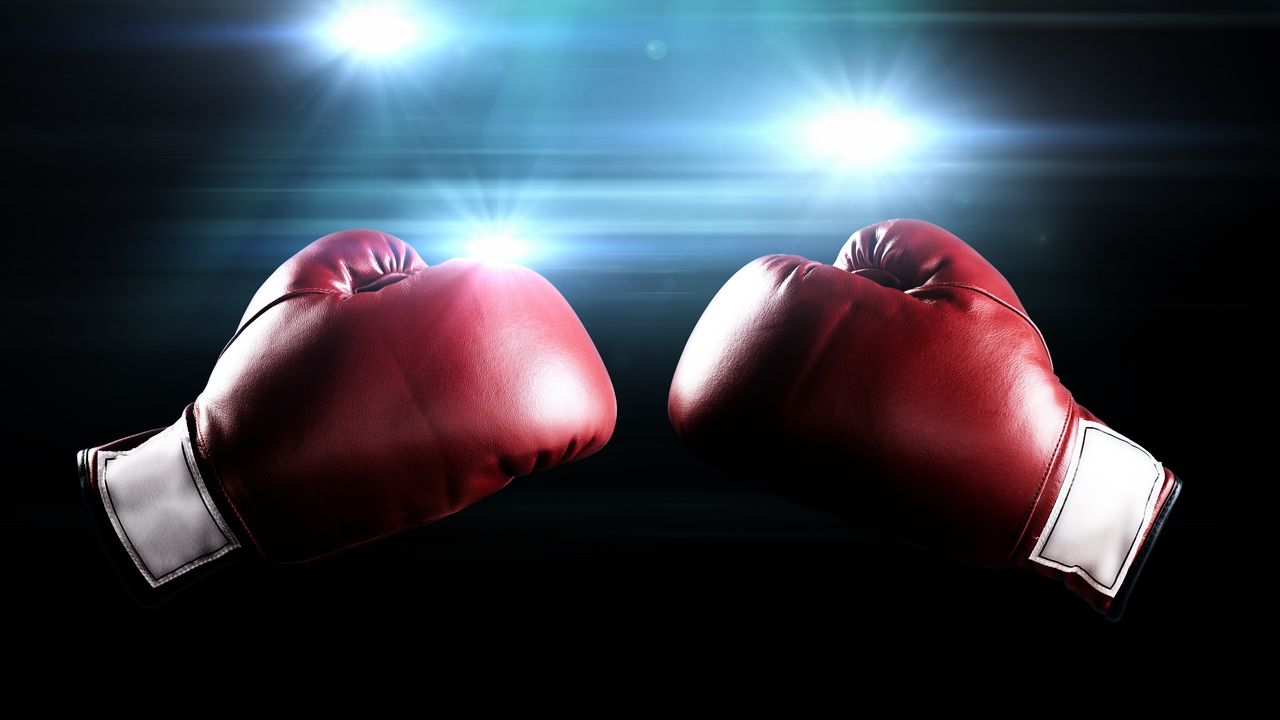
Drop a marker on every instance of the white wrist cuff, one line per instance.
(160, 508)
(1106, 503)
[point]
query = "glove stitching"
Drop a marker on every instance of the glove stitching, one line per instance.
(287, 296)
(1002, 303)
(1053, 462)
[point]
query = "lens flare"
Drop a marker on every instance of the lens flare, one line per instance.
(858, 137)
(505, 246)
(373, 30)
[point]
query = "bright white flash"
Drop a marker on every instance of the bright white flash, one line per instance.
(373, 30)
(861, 137)
(498, 247)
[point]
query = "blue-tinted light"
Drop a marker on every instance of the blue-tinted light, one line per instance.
(374, 30)
(857, 136)
(498, 246)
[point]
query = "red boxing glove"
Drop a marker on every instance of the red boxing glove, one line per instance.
(363, 394)
(906, 386)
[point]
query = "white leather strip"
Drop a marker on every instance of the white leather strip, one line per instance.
(160, 507)
(1106, 502)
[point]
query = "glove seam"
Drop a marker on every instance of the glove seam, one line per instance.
(287, 296)
(1005, 304)
(1044, 479)
(216, 479)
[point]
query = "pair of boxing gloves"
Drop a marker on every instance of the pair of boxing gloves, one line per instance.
(365, 393)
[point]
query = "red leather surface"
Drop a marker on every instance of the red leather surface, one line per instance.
(904, 386)
(365, 393)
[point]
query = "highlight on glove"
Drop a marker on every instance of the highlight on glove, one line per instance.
(363, 393)
(906, 387)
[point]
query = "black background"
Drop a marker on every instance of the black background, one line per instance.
(1154, 289)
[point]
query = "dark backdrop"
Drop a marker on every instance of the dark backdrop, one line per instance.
(1117, 163)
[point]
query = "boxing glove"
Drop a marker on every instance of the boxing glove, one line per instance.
(905, 386)
(362, 394)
